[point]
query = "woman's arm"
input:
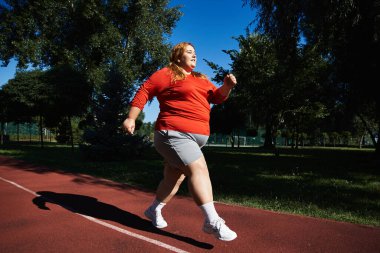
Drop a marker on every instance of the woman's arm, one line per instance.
(228, 83)
(146, 92)
(130, 123)
(222, 93)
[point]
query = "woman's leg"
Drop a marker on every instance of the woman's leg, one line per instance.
(199, 181)
(167, 188)
(201, 189)
(170, 184)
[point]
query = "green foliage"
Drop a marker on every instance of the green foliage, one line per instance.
(68, 131)
(103, 136)
(113, 147)
(346, 33)
(56, 95)
(256, 69)
(269, 97)
(109, 46)
(63, 132)
(28, 95)
(87, 34)
(72, 92)
(227, 117)
(147, 129)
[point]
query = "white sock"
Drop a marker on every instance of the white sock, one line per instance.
(157, 206)
(209, 211)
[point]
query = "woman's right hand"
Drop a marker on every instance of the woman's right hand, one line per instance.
(129, 125)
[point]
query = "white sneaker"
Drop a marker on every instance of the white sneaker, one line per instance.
(220, 230)
(156, 218)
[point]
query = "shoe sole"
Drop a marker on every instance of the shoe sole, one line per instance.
(147, 214)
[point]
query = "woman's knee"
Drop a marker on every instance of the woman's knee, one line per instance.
(198, 167)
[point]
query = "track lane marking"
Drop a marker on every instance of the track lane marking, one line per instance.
(105, 224)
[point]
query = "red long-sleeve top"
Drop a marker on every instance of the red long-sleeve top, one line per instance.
(184, 104)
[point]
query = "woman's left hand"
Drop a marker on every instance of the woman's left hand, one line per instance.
(230, 80)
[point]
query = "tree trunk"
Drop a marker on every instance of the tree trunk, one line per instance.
(369, 130)
(2, 133)
(30, 132)
(297, 134)
(268, 142)
(377, 146)
(293, 136)
(377, 150)
(41, 133)
(297, 140)
(18, 132)
(361, 141)
(71, 133)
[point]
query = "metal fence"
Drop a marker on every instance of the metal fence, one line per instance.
(243, 141)
(26, 132)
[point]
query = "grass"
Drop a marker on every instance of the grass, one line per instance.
(339, 184)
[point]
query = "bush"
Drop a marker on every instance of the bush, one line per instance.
(110, 148)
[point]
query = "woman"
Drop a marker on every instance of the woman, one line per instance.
(182, 128)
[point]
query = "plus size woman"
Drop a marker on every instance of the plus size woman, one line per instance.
(181, 130)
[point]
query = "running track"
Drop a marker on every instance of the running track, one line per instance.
(44, 210)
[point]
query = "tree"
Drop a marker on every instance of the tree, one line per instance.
(87, 34)
(71, 97)
(257, 68)
(345, 32)
(31, 94)
(334, 138)
(54, 96)
(286, 134)
(362, 125)
(103, 137)
(94, 38)
(228, 118)
(267, 96)
(3, 115)
(258, 91)
(324, 136)
(351, 36)
(13, 110)
(146, 129)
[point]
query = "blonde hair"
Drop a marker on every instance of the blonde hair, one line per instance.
(176, 54)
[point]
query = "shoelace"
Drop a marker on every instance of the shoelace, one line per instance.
(218, 224)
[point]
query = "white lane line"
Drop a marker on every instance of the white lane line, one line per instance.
(105, 224)
(21, 187)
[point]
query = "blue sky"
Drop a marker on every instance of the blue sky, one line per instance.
(209, 24)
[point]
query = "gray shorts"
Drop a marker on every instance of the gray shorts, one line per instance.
(178, 148)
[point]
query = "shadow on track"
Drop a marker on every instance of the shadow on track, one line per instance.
(92, 207)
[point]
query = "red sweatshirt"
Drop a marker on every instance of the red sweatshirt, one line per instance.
(184, 104)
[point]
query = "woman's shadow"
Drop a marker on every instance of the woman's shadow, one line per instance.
(90, 206)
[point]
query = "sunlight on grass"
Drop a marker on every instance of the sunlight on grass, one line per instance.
(269, 154)
(10, 152)
(286, 177)
(341, 184)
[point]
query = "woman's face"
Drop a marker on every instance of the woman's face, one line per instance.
(188, 60)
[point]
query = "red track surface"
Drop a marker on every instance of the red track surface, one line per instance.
(49, 221)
